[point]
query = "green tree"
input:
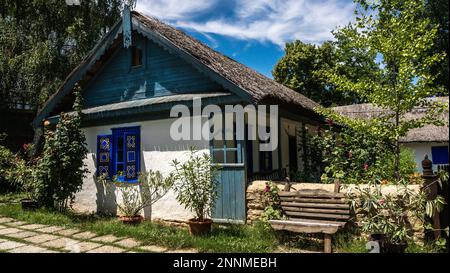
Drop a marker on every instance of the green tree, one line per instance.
(401, 38)
(437, 11)
(303, 65)
(60, 171)
(41, 41)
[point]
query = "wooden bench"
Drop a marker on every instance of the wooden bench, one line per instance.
(313, 211)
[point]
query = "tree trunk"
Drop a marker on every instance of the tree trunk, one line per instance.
(397, 149)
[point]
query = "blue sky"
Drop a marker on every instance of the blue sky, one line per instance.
(252, 32)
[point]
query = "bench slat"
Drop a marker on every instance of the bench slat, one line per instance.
(318, 215)
(313, 205)
(304, 227)
(313, 200)
(311, 193)
(333, 211)
(333, 222)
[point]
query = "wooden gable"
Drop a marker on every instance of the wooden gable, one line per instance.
(160, 74)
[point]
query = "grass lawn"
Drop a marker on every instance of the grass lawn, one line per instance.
(224, 238)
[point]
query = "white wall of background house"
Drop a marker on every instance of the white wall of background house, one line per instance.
(424, 148)
(157, 152)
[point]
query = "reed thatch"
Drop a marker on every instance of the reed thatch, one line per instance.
(257, 85)
(427, 133)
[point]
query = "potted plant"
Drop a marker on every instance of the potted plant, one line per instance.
(196, 189)
(25, 177)
(151, 187)
(120, 177)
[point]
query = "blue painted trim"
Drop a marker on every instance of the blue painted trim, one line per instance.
(98, 154)
(165, 43)
(123, 132)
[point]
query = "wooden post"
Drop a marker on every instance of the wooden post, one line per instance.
(327, 243)
(431, 189)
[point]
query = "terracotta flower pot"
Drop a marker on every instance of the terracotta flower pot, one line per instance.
(197, 228)
(133, 220)
(28, 204)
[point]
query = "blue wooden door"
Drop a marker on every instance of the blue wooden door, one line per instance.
(230, 205)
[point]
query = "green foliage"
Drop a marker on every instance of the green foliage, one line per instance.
(396, 214)
(15, 173)
(311, 151)
(355, 157)
(401, 38)
(152, 186)
(196, 183)
(59, 172)
(272, 204)
(42, 41)
(301, 69)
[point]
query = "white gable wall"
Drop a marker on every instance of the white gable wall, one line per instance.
(157, 152)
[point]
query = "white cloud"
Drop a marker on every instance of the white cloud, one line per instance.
(174, 9)
(276, 21)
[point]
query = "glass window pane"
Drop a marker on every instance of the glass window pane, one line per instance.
(120, 143)
(218, 157)
(231, 156)
(218, 143)
(231, 143)
(120, 156)
(119, 168)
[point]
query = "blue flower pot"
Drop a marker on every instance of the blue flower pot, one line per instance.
(121, 178)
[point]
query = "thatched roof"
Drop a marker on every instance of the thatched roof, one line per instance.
(232, 75)
(427, 133)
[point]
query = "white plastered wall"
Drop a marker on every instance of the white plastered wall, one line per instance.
(421, 149)
(157, 152)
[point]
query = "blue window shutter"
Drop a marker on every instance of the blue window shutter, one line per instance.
(104, 153)
(439, 154)
(132, 155)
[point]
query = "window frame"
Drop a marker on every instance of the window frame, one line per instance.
(123, 132)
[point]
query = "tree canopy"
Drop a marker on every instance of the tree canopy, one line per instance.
(402, 39)
(303, 67)
(41, 41)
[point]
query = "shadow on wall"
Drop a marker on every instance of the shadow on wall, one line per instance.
(106, 196)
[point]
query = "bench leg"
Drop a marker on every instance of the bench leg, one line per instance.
(327, 243)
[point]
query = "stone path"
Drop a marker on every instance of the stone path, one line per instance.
(22, 237)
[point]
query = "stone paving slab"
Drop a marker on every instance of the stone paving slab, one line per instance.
(6, 219)
(60, 243)
(22, 234)
(31, 249)
(85, 246)
(41, 238)
(67, 232)
(153, 248)
(16, 223)
(33, 226)
(7, 245)
(128, 243)
(6, 231)
(84, 235)
(106, 239)
(187, 250)
(107, 249)
(50, 229)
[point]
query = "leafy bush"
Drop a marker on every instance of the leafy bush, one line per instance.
(395, 214)
(152, 186)
(355, 157)
(271, 203)
(60, 171)
(196, 184)
(15, 172)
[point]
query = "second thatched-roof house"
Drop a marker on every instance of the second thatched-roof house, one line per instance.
(428, 140)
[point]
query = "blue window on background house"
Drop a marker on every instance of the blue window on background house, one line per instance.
(118, 154)
(439, 154)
